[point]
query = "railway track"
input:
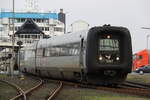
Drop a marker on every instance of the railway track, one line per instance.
(23, 91)
(136, 84)
(54, 93)
(28, 94)
(129, 90)
(47, 91)
(20, 91)
(124, 89)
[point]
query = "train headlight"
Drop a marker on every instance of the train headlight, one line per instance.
(108, 36)
(100, 58)
(117, 58)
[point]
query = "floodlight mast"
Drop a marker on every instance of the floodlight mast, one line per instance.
(13, 41)
(147, 36)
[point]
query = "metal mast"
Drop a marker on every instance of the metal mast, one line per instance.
(13, 41)
(147, 36)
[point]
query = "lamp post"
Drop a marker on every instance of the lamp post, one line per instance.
(19, 43)
(147, 36)
(13, 39)
(13, 42)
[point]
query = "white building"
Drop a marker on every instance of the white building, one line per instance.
(52, 24)
(79, 26)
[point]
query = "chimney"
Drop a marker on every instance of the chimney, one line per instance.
(62, 18)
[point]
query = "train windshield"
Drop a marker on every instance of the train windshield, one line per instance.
(109, 50)
(109, 45)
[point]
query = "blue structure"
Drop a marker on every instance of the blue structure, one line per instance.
(29, 15)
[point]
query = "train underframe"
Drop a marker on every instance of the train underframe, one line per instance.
(103, 77)
(110, 78)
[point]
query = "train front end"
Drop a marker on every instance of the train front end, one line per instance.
(108, 55)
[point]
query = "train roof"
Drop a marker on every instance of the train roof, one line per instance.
(58, 40)
(71, 37)
(63, 39)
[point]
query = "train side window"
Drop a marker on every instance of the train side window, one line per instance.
(75, 52)
(46, 52)
(76, 49)
(53, 51)
(72, 49)
(64, 50)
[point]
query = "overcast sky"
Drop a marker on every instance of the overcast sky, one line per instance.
(132, 14)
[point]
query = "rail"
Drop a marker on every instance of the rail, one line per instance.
(120, 89)
(25, 93)
(55, 92)
(125, 89)
(22, 93)
(137, 84)
(130, 90)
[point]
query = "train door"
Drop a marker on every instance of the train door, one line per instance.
(81, 53)
(82, 61)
